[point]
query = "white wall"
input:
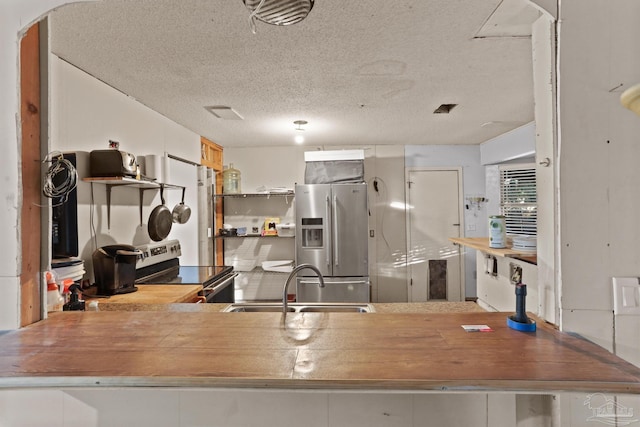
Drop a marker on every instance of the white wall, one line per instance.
(247, 408)
(389, 248)
(512, 145)
(262, 166)
(497, 293)
(85, 115)
(473, 182)
(599, 179)
(544, 71)
(15, 17)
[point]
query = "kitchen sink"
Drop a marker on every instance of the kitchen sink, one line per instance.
(337, 309)
(299, 307)
(257, 308)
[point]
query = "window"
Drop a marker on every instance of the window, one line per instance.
(518, 199)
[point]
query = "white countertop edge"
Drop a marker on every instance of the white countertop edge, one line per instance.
(302, 385)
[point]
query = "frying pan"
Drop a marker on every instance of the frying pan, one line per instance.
(181, 212)
(160, 220)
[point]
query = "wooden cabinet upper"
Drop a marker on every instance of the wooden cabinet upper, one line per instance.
(210, 154)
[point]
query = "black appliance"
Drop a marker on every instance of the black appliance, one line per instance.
(114, 268)
(112, 162)
(159, 264)
(64, 218)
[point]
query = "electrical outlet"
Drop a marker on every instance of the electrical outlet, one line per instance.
(471, 227)
(515, 273)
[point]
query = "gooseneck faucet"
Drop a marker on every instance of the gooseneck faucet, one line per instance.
(292, 275)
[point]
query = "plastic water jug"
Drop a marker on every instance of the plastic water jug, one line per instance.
(231, 180)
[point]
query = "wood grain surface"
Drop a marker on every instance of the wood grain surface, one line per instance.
(482, 244)
(153, 294)
(373, 351)
(30, 210)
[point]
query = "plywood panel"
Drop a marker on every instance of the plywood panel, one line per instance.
(372, 351)
(30, 213)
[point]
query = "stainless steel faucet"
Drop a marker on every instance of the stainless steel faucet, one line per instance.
(292, 275)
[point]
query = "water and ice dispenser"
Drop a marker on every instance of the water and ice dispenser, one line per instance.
(312, 233)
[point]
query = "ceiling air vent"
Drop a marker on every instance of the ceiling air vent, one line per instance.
(444, 109)
(224, 112)
(279, 12)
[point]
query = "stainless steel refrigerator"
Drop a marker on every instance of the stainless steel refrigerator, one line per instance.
(331, 233)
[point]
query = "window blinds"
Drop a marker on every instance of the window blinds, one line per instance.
(518, 199)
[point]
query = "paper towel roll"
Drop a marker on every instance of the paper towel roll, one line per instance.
(153, 166)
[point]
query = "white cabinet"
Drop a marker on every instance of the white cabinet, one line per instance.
(494, 288)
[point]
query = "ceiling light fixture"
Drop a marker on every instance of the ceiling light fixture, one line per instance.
(278, 12)
(299, 139)
(630, 99)
(299, 124)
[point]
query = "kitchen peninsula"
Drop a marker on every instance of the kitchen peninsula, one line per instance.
(495, 272)
(373, 351)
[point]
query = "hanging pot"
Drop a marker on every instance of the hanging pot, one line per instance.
(160, 220)
(181, 212)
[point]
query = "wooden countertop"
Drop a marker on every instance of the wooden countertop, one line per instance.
(373, 351)
(394, 307)
(151, 294)
(482, 244)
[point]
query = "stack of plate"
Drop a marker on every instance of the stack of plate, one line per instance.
(524, 243)
(68, 268)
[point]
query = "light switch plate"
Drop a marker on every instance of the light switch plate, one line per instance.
(626, 296)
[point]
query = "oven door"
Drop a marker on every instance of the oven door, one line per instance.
(221, 290)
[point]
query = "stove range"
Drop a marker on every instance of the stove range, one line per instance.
(159, 265)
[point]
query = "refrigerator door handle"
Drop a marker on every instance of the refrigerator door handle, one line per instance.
(335, 231)
(333, 282)
(327, 228)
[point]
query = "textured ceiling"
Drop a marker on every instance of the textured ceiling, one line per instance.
(360, 72)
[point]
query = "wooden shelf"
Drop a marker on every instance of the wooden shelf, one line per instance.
(482, 244)
(124, 181)
(130, 182)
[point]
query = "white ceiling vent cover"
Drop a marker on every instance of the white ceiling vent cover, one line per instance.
(224, 112)
(280, 12)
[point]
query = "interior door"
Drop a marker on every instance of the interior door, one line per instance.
(433, 216)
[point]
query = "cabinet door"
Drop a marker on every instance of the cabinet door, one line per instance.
(210, 154)
(313, 225)
(350, 230)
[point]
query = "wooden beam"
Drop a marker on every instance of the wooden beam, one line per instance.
(211, 156)
(30, 231)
